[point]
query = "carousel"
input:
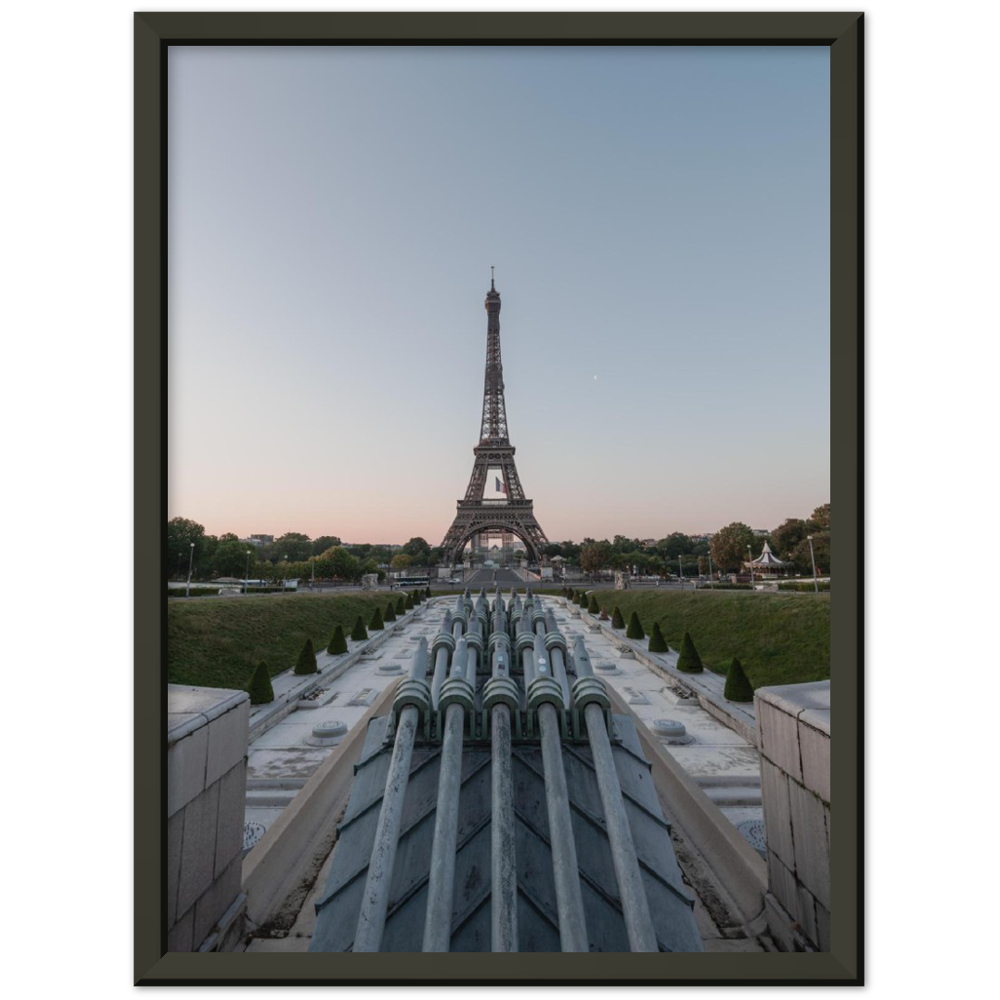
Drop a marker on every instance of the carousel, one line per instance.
(767, 563)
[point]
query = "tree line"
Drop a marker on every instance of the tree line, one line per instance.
(296, 555)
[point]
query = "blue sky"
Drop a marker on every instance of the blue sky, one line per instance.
(659, 221)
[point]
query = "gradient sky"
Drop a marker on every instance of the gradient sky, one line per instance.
(659, 221)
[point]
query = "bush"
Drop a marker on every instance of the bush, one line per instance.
(306, 663)
(376, 624)
(338, 644)
(582, 600)
(689, 661)
(416, 597)
(592, 607)
(427, 592)
(634, 630)
(359, 633)
(400, 607)
(657, 644)
(563, 591)
(259, 688)
(572, 593)
(738, 686)
(390, 613)
(604, 613)
(617, 621)
(408, 606)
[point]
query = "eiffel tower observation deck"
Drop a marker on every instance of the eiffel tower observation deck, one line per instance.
(512, 513)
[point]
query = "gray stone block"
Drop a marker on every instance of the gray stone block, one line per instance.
(823, 927)
(806, 914)
(175, 831)
(795, 698)
(180, 936)
(777, 813)
(779, 738)
(232, 810)
(778, 923)
(782, 884)
(812, 851)
(216, 901)
(227, 741)
(814, 747)
(198, 847)
(186, 761)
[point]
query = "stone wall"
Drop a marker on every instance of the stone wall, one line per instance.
(793, 722)
(206, 800)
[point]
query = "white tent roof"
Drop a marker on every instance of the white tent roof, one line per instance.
(767, 558)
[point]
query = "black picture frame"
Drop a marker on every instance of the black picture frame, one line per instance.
(844, 33)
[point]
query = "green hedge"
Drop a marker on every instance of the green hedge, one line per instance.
(338, 644)
(634, 630)
(657, 644)
(306, 663)
(738, 687)
(260, 690)
(689, 661)
(359, 633)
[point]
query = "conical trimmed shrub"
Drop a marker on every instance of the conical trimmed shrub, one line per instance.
(689, 661)
(582, 600)
(738, 686)
(390, 613)
(416, 597)
(617, 621)
(409, 602)
(634, 630)
(338, 644)
(604, 613)
(376, 624)
(306, 663)
(572, 593)
(359, 633)
(592, 607)
(259, 688)
(427, 592)
(657, 644)
(563, 591)
(400, 607)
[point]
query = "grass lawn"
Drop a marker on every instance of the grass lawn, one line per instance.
(779, 638)
(217, 642)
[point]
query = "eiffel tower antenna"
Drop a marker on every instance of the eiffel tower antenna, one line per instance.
(513, 513)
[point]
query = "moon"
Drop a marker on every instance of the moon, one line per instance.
(595, 378)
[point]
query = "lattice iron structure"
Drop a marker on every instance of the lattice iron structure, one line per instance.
(475, 514)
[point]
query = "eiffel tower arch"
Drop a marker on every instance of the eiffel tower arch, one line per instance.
(514, 513)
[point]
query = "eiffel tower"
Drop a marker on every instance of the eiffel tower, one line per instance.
(513, 514)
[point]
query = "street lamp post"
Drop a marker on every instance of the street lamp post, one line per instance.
(812, 556)
(246, 579)
(750, 554)
(187, 592)
(680, 569)
(711, 582)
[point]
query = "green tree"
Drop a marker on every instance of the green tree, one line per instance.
(409, 602)
(376, 624)
(595, 556)
(324, 542)
(634, 630)
(400, 606)
(358, 633)
(821, 547)
(592, 606)
(293, 545)
(821, 517)
(617, 620)
(400, 561)
(338, 563)
(390, 613)
(260, 690)
(657, 644)
(230, 558)
(738, 686)
(181, 532)
(787, 536)
(418, 550)
(306, 663)
(338, 644)
(674, 545)
(729, 546)
(689, 662)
